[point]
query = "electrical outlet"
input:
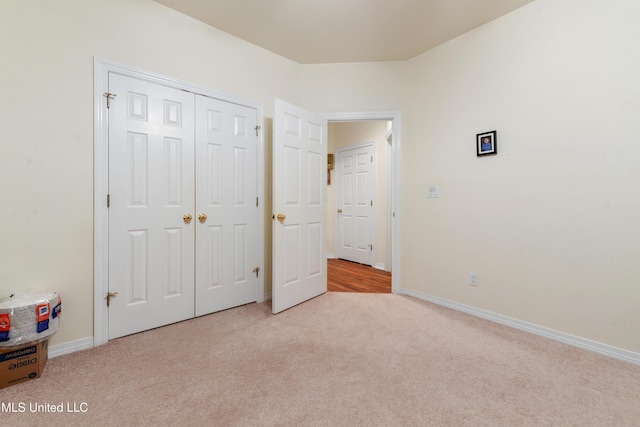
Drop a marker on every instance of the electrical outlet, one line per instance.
(473, 279)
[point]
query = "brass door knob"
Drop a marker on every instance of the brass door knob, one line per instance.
(281, 217)
(202, 217)
(187, 218)
(339, 210)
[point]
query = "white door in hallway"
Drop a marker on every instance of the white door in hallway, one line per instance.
(299, 206)
(227, 234)
(151, 169)
(354, 203)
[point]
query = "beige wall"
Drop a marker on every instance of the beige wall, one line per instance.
(550, 224)
(354, 87)
(46, 166)
(343, 134)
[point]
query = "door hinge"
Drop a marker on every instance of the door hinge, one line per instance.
(372, 203)
(371, 159)
(108, 200)
(256, 270)
(257, 128)
(256, 202)
(370, 247)
(109, 97)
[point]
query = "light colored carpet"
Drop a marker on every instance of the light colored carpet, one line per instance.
(341, 359)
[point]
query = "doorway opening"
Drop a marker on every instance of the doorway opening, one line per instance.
(350, 133)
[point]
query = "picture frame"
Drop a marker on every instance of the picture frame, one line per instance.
(486, 143)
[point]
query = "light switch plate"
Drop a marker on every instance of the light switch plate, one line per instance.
(473, 279)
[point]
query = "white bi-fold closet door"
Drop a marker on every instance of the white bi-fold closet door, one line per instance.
(183, 215)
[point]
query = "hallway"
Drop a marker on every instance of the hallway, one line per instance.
(347, 276)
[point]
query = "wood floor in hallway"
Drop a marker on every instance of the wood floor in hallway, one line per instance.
(347, 276)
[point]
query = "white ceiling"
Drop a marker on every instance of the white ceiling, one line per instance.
(327, 31)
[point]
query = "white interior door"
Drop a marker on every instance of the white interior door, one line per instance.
(354, 203)
(171, 154)
(226, 194)
(299, 204)
(151, 186)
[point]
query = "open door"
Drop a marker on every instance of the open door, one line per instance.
(299, 204)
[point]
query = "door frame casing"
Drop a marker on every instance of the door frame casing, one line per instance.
(372, 227)
(102, 68)
(388, 144)
(396, 181)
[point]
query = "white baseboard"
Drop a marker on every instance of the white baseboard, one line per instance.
(70, 347)
(604, 349)
(267, 296)
(331, 256)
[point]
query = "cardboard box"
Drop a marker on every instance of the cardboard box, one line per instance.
(23, 363)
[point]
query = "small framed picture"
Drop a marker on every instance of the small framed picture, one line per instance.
(486, 143)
